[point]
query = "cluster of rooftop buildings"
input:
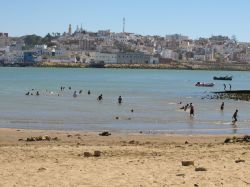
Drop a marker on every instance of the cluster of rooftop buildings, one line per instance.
(82, 46)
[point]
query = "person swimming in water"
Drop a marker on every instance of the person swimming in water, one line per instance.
(74, 95)
(28, 93)
(120, 100)
(80, 91)
(37, 93)
(100, 98)
(89, 92)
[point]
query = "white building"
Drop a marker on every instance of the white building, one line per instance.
(169, 54)
(107, 58)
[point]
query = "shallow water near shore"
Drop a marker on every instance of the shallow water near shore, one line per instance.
(152, 94)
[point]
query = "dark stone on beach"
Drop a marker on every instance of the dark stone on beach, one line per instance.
(39, 138)
(69, 135)
(55, 139)
(187, 163)
(105, 133)
(246, 138)
(180, 175)
(42, 169)
(228, 140)
(87, 154)
(47, 138)
(20, 139)
(31, 139)
(196, 185)
(97, 153)
(186, 142)
(200, 169)
(131, 142)
(238, 161)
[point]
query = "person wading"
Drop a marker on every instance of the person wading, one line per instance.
(235, 116)
(222, 106)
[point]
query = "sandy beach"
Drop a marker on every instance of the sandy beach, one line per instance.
(125, 160)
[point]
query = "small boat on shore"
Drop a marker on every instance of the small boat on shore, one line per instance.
(204, 84)
(225, 78)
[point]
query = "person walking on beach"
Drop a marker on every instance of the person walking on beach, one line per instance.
(191, 110)
(235, 116)
(230, 87)
(224, 87)
(222, 106)
(120, 100)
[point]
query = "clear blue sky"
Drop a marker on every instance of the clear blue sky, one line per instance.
(195, 18)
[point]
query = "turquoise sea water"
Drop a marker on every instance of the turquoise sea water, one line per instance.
(153, 94)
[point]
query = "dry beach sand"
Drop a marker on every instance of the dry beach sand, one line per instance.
(125, 160)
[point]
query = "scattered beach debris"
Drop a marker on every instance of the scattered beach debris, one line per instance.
(40, 138)
(239, 160)
(187, 163)
(200, 169)
(245, 138)
(105, 133)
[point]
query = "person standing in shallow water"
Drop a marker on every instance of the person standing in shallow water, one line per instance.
(74, 95)
(222, 106)
(120, 100)
(191, 110)
(224, 87)
(235, 116)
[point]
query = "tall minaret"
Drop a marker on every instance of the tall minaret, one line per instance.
(70, 30)
(123, 25)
